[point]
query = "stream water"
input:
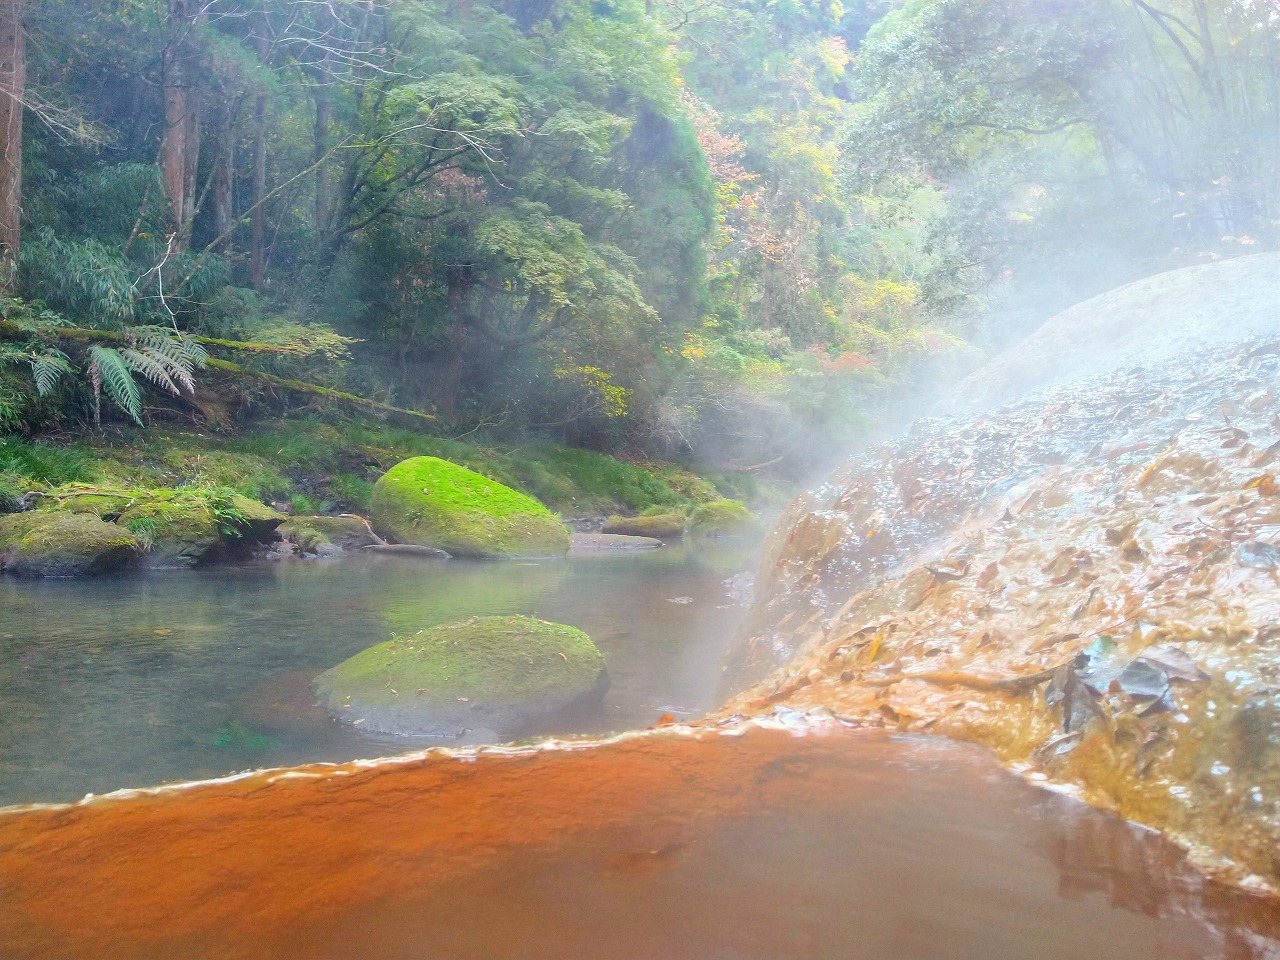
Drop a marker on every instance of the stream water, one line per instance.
(127, 682)
(768, 843)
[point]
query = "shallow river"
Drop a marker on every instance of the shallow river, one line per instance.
(720, 842)
(126, 682)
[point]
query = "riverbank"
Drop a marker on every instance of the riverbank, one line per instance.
(182, 497)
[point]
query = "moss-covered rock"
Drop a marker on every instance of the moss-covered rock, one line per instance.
(315, 534)
(721, 518)
(491, 677)
(662, 526)
(55, 543)
(177, 528)
(436, 503)
(246, 520)
(13, 491)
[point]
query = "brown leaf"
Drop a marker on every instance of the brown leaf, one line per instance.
(1174, 662)
(943, 574)
(1267, 455)
(1052, 641)
(1265, 485)
(988, 574)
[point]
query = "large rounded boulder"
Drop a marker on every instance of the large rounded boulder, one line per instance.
(435, 503)
(487, 677)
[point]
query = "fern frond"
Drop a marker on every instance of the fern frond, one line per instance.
(107, 368)
(47, 368)
(179, 349)
(180, 371)
(193, 352)
(154, 368)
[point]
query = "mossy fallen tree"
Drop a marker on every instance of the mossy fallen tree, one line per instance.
(301, 386)
(14, 331)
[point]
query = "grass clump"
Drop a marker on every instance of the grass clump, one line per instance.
(45, 462)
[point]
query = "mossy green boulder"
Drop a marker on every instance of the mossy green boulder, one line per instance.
(721, 518)
(435, 503)
(483, 678)
(180, 530)
(177, 528)
(661, 526)
(55, 543)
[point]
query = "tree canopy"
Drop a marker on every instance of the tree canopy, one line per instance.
(718, 228)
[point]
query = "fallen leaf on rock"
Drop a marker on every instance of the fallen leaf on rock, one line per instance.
(1174, 662)
(943, 574)
(1142, 679)
(988, 574)
(1057, 746)
(1155, 464)
(1267, 455)
(1078, 703)
(1265, 485)
(1051, 641)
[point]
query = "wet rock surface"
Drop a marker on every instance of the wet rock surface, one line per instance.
(589, 542)
(1086, 580)
(326, 536)
(663, 526)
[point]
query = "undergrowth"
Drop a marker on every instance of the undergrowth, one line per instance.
(316, 466)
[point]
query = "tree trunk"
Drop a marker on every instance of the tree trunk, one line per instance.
(180, 147)
(13, 77)
(319, 149)
(257, 250)
(458, 281)
(224, 165)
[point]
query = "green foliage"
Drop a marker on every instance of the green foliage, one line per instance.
(143, 530)
(228, 514)
(593, 482)
(733, 230)
(12, 489)
(81, 278)
(352, 490)
(44, 462)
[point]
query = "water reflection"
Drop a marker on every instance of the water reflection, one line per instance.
(185, 675)
(1133, 869)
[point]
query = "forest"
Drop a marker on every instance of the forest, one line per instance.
(639, 479)
(728, 233)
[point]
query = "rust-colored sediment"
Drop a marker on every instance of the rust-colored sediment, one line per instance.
(943, 583)
(235, 866)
